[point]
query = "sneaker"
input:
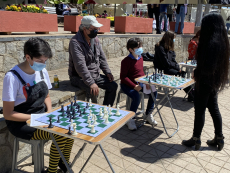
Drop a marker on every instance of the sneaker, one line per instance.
(131, 124)
(150, 119)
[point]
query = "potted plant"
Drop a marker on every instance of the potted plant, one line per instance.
(133, 24)
(27, 18)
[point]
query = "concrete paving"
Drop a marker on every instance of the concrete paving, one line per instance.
(150, 150)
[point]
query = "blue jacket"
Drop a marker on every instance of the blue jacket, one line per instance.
(163, 8)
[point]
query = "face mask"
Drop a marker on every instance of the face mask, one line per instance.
(139, 51)
(37, 66)
(174, 40)
(93, 34)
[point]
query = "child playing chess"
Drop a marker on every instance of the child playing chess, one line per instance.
(131, 68)
(25, 92)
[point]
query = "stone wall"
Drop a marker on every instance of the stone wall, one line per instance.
(11, 50)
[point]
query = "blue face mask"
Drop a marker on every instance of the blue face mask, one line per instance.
(139, 51)
(37, 66)
(174, 40)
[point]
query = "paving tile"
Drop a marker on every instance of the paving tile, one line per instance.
(213, 167)
(227, 166)
(134, 168)
(223, 170)
(154, 168)
(194, 168)
(138, 152)
(174, 168)
(180, 162)
(217, 162)
(92, 168)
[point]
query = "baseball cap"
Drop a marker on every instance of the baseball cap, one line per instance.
(90, 20)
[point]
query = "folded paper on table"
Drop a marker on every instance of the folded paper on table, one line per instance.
(33, 121)
(148, 91)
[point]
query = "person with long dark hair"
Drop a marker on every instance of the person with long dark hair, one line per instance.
(165, 59)
(211, 76)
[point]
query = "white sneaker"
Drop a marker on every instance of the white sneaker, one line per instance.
(131, 124)
(150, 119)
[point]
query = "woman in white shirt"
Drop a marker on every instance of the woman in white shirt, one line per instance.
(25, 92)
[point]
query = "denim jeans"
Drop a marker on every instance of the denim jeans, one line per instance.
(181, 16)
(228, 26)
(163, 15)
(136, 99)
(206, 98)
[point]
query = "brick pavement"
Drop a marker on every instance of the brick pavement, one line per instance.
(150, 150)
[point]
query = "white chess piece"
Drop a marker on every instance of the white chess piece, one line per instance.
(90, 113)
(107, 120)
(90, 101)
(74, 129)
(92, 129)
(100, 114)
(88, 121)
(89, 125)
(118, 106)
(105, 115)
(95, 117)
(71, 123)
(118, 113)
(186, 76)
(176, 83)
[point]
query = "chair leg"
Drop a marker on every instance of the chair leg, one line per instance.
(37, 159)
(42, 154)
(15, 155)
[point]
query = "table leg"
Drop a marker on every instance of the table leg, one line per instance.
(184, 99)
(88, 158)
(62, 156)
(106, 158)
(78, 154)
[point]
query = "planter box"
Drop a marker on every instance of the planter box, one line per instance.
(188, 27)
(11, 21)
(72, 23)
(124, 24)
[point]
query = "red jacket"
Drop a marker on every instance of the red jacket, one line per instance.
(192, 49)
(131, 69)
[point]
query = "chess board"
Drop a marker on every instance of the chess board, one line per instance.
(190, 63)
(81, 121)
(156, 79)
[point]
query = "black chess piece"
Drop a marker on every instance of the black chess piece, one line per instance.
(74, 116)
(50, 125)
(67, 111)
(149, 79)
(73, 113)
(75, 98)
(69, 132)
(75, 103)
(62, 108)
(84, 111)
(80, 113)
(70, 118)
(147, 75)
(186, 61)
(63, 114)
(79, 110)
(58, 120)
(68, 115)
(87, 105)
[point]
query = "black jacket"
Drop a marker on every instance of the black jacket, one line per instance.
(178, 8)
(59, 9)
(164, 60)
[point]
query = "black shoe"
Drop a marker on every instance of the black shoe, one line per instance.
(190, 98)
(62, 166)
(217, 141)
(194, 141)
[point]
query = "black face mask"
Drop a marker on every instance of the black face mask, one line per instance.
(93, 34)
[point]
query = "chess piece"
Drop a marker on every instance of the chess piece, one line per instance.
(90, 102)
(50, 125)
(87, 105)
(107, 120)
(58, 120)
(90, 112)
(75, 98)
(71, 122)
(69, 132)
(67, 111)
(147, 75)
(63, 114)
(89, 123)
(176, 83)
(186, 76)
(118, 113)
(62, 108)
(100, 113)
(95, 117)
(92, 129)
(75, 103)
(70, 118)
(84, 111)
(80, 115)
(186, 61)
(73, 112)
(71, 104)
(79, 110)
(149, 79)
(74, 129)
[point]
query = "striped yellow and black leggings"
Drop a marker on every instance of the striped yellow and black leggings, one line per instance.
(65, 144)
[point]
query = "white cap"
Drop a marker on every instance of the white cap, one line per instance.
(86, 20)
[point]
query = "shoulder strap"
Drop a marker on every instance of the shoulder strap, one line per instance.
(19, 77)
(41, 74)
